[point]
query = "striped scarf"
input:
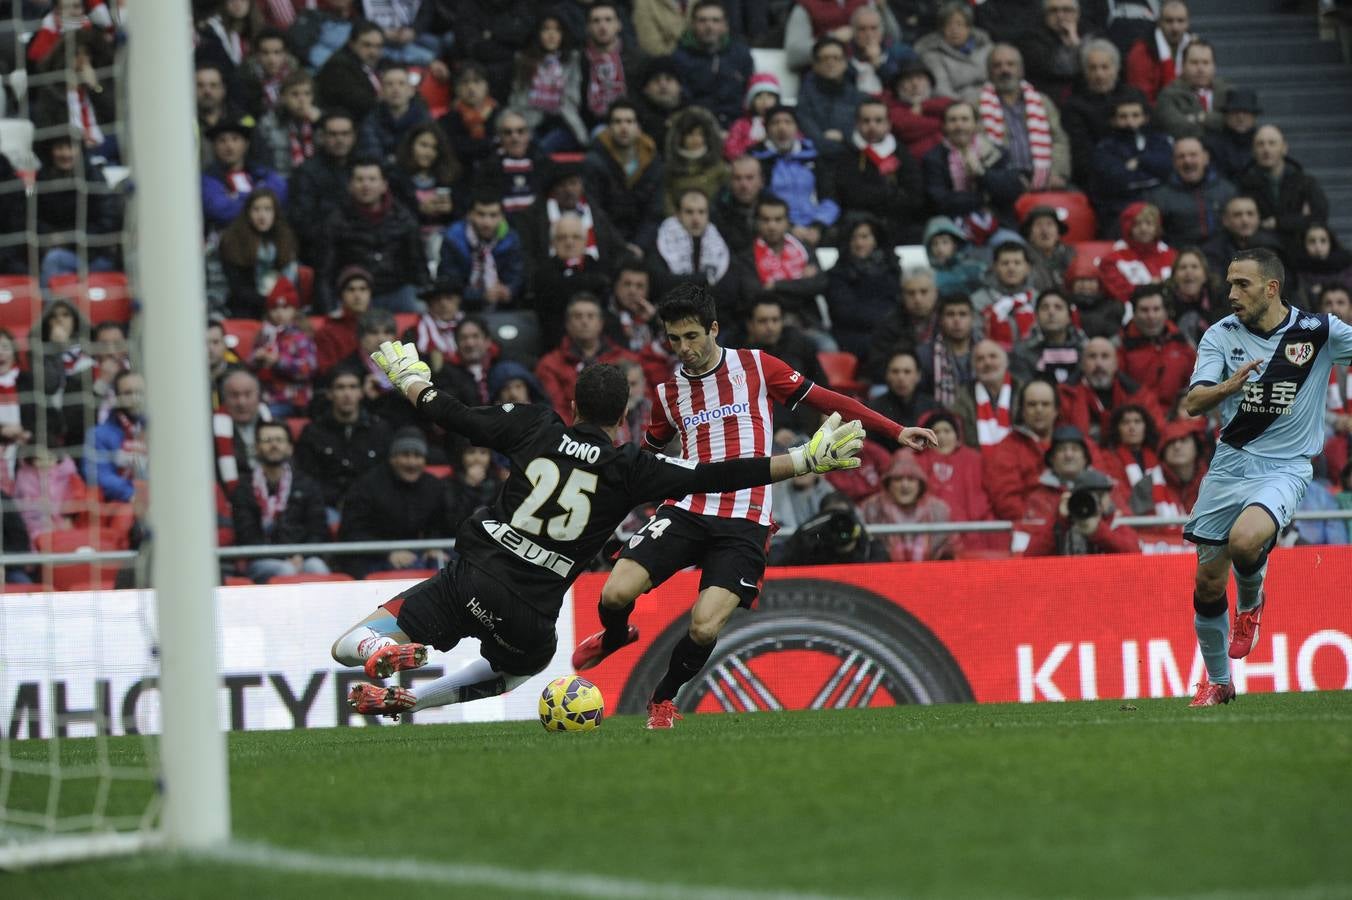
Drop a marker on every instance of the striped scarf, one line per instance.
(605, 84)
(546, 88)
(434, 334)
(1010, 318)
(1149, 467)
(992, 416)
(9, 396)
(517, 191)
(271, 505)
(223, 435)
(1039, 130)
(945, 372)
(788, 264)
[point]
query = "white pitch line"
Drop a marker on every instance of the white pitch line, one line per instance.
(569, 884)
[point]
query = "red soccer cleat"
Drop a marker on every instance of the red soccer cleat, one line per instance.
(662, 715)
(1244, 633)
(1213, 694)
(589, 653)
(395, 658)
(374, 700)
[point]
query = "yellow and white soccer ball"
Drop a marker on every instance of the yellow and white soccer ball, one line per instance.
(571, 703)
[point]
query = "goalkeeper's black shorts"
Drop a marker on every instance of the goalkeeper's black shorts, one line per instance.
(462, 601)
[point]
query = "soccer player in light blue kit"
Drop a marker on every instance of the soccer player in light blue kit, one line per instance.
(1267, 367)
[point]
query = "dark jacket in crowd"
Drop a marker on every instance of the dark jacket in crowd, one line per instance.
(315, 191)
(1191, 213)
(859, 294)
(389, 246)
(715, 80)
(343, 82)
(896, 199)
(1086, 119)
(996, 190)
(1286, 199)
(634, 203)
(336, 454)
(302, 522)
(382, 507)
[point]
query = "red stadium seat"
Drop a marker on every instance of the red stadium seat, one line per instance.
(403, 322)
(442, 472)
(841, 370)
(437, 95)
(20, 304)
(103, 297)
(401, 575)
(10, 587)
(1095, 250)
(237, 581)
(104, 582)
(64, 576)
(303, 578)
(240, 333)
(1072, 208)
(296, 424)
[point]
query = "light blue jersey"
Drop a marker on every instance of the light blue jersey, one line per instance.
(1280, 413)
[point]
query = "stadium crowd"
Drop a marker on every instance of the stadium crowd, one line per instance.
(511, 185)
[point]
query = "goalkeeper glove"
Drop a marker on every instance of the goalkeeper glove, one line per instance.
(834, 446)
(401, 365)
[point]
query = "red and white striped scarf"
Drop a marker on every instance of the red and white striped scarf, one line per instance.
(9, 397)
(300, 137)
(546, 88)
(271, 505)
(223, 435)
(1149, 467)
(1340, 395)
(606, 78)
(1010, 318)
(1035, 117)
(1170, 63)
(992, 417)
(434, 334)
(788, 264)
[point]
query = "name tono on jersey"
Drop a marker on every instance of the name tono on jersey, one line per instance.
(1280, 412)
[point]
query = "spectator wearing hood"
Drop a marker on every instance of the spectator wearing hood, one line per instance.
(1320, 262)
(713, 66)
(915, 111)
(1191, 199)
(1154, 351)
(1139, 257)
(1183, 461)
(904, 500)
(956, 271)
(1099, 314)
(512, 382)
(861, 288)
(694, 157)
(953, 469)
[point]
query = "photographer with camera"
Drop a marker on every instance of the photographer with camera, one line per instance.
(1071, 510)
(834, 535)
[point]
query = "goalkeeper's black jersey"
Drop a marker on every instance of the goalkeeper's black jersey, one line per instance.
(568, 490)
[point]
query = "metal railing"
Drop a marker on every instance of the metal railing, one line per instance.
(336, 548)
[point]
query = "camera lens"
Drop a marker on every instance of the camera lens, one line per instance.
(1082, 504)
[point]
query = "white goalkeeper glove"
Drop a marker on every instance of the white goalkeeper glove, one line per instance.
(401, 365)
(834, 446)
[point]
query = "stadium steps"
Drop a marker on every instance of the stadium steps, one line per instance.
(1301, 81)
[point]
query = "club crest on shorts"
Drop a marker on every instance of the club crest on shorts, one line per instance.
(1300, 353)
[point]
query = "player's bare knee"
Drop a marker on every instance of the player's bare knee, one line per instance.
(1246, 547)
(705, 631)
(626, 582)
(1209, 584)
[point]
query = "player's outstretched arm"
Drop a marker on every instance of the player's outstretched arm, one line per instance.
(825, 400)
(1205, 397)
(834, 446)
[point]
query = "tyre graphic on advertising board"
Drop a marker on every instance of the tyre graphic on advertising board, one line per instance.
(810, 644)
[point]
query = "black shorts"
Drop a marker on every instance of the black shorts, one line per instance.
(461, 601)
(731, 552)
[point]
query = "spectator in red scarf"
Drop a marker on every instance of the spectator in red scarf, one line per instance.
(234, 427)
(1153, 63)
(265, 71)
(115, 460)
(278, 504)
(68, 16)
(1139, 257)
(984, 407)
(1154, 351)
(1024, 122)
(483, 252)
(229, 181)
(286, 133)
(1006, 302)
(781, 262)
(608, 64)
(874, 175)
(434, 334)
(1129, 456)
(632, 323)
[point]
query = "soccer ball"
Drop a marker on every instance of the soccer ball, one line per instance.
(571, 703)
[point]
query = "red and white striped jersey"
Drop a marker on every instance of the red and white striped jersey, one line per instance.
(726, 414)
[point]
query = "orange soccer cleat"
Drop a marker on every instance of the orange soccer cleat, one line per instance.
(395, 658)
(589, 653)
(662, 715)
(374, 700)
(1244, 634)
(1212, 694)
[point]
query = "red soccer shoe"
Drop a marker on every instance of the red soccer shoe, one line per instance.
(1244, 633)
(395, 658)
(662, 715)
(373, 700)
(1213, 694)
(589, 653)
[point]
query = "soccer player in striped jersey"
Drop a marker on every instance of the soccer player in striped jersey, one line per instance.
(719, 404)
(1267, 368)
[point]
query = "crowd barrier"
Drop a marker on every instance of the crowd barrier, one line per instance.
(1025, 630)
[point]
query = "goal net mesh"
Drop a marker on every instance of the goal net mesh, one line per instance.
(79, 773)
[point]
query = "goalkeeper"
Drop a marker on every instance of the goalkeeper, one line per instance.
(570, 487)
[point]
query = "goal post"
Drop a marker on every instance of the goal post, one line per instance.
(168, 273)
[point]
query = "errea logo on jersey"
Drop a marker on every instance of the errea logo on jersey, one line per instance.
(705, 416)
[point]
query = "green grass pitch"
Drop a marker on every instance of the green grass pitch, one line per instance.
(1251, 800)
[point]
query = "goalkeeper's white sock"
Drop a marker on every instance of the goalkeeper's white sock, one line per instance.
(353, 648)
(474, 682)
